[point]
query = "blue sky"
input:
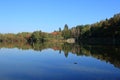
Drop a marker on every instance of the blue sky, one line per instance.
(48, 15)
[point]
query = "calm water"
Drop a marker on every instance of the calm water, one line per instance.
(74, 63)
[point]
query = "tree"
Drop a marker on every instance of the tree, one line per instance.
(66, 27)
(59, 29)
(37, 36)
(66, 33)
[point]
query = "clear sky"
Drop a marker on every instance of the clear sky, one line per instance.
(48, 15)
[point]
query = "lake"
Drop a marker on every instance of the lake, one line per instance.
(59, 62)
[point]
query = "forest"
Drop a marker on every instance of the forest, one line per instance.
(105, 31)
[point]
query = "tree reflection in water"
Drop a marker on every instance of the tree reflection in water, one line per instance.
(107, 53)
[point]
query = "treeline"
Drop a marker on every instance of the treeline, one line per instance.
(109, 28)
(105, 31)
(36, 36)
(39, 36)
(10, 37)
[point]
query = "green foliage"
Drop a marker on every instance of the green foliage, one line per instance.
(109, 28)
(60, 30)
(66, 33)
(20, 37)
(37, 36)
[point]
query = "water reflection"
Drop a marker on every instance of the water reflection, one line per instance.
(106, 53)
(58, 61)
